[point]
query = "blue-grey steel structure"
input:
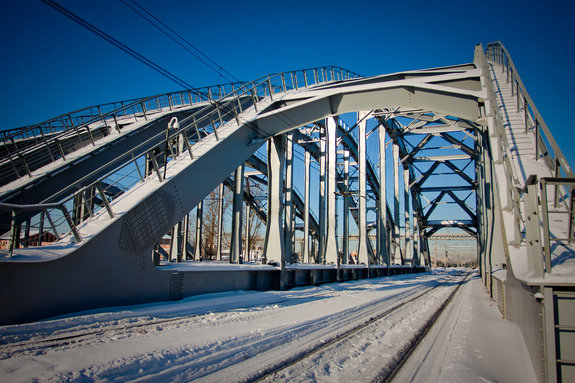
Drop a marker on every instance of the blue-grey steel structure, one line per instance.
(87, 197)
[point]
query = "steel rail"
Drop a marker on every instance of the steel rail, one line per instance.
(278, 366)
(389, 372)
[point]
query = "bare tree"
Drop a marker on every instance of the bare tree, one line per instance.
(210, 223)
(255, 223)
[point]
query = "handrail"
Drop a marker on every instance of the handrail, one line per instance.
(88, 200)
(281, 82)
(538, 213)
(53, 137)
(124, 104)
(502, 155)
(497, 52)
(531, 222)
(44, 209)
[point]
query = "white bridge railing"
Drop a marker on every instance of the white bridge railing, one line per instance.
(541, 198)
(145, 160)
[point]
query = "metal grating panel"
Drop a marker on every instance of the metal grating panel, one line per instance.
(143, 227)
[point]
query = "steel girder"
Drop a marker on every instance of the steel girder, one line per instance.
(258, 164)
(436, 128)
(451, 91)
(345, 139)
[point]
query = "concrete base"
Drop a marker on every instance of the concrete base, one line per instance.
(25, 303)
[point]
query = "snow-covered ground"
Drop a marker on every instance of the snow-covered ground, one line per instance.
(470, 343)
(236, 336)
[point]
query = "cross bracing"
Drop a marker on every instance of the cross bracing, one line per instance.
(226, 131)
(340, 164)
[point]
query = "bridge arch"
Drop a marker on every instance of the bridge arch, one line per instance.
(112, 254)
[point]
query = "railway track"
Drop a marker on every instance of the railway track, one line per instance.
(8, 349)
(261, 354)
(386, 374)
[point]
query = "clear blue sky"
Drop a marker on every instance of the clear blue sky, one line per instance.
(50, 65)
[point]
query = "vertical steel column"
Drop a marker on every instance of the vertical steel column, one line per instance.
(407, 253)
(549, 335)
(397, 247)
(274, 244)
(199, 219)
(382, 251)
(306, 208)
(288, 190)
(247, 234)
(346, 198)
(322, 165)
(535, 260)
(313, 249)
(174, 243)
(362, 254)
(482, 211)
(238, 200)
(416, 246)
(330, 251)
(220, 220)
(182, 248)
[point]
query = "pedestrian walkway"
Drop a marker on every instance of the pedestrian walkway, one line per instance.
(470, 342)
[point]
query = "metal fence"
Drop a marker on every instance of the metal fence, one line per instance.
(144, 161)
(540, 201)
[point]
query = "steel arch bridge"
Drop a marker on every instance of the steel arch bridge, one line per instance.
(95, 203)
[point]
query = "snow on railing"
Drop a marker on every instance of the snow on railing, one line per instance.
(26, 149)
(33, 234)
(137, 165)
(545, 144)
(533, 221)
(541, 217)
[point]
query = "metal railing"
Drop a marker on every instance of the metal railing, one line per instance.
(26, 149)
(540, 234)
(545, 144)
(31, 232)
(144, 161)
(529, 203)
(129, 107)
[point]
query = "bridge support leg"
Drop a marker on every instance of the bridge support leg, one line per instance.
(274, 244)
(331, 255)
(247, 239)
(289, 198)
(408, 255)
(199, 223)
(397, 258)
(382, 250)
(220, 220)
(238, 200)
(306, 235)
(362, 253)
(174, 243)
(322, 202)
(346, 208)
(179, 239)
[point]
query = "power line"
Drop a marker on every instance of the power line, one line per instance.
(140, 57)
(164, 72)
(161, 26)
(66, 12)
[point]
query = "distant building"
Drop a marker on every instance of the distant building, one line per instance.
(35, 239)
